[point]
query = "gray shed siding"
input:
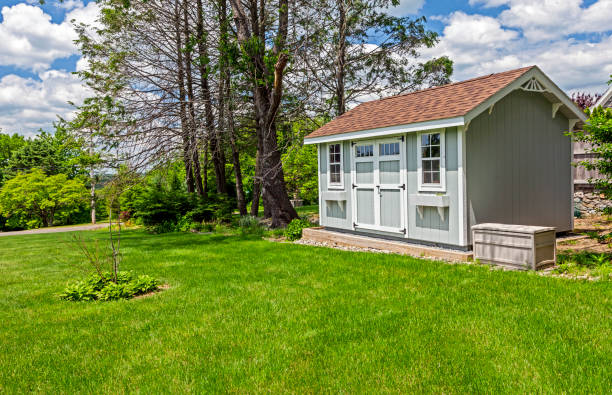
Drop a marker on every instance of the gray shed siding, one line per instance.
(518, 168)
(430, 228)
(331, 213)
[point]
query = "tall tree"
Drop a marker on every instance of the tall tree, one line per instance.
(266, 68)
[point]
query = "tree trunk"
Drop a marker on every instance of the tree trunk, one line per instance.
(92, 194)
(194, 158)
(256, 185)
(340, 59)
(92, 180)
(206, 98)
(185, 133)
(235, 154)
(205, 170)
(267, 101)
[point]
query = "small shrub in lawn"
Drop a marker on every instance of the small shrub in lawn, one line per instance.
(102, 287)
(250, 225)
(579, 263)
(294, 229)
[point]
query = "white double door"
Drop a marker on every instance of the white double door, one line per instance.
(378, 189)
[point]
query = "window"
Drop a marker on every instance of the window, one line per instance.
(335, 165)
(431, 161)
(363, 151)
(387, 149)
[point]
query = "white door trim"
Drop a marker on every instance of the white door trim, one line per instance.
(377, 186)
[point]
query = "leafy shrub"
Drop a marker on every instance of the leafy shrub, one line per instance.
(294, 229)
(250, 225)
(102, 287)
(601, 238)
(580, 263)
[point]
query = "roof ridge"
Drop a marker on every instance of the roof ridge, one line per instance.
(526, 68)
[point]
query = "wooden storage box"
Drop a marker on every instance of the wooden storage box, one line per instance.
(518, 246)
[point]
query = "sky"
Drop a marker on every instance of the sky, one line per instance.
(570, 40)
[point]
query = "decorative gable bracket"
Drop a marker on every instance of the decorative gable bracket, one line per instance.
(533, 85)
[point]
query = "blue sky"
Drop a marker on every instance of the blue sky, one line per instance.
(571, 40)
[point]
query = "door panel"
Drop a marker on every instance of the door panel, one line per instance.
(390, 208)
(365, 206)
(364, 173)
(390, 172)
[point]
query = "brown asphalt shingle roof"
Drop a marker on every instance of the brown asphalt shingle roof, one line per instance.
(448, 101)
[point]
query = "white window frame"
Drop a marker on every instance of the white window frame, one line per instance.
(335, 185)
(441, 187)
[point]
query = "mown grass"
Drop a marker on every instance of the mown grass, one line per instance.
(246, 315)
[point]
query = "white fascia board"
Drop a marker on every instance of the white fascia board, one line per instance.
(390, 130)
(548, 84)
(604, 98)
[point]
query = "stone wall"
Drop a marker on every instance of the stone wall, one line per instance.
(589, 203)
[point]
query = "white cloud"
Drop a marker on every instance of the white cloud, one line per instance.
(32, 41)
(549, 19)
(28, 104)
(482, 44)
(407, 7)
(69, 4)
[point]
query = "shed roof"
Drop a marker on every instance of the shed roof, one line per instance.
(606, 99)
(433, 104)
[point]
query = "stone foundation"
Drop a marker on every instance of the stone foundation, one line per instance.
(589, 203)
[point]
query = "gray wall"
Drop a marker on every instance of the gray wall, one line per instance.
(330, 212)
(431, 228)
(519, 164)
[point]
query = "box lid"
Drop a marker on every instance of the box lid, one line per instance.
(531, 229)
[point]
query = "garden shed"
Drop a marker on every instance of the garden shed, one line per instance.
(426, 166)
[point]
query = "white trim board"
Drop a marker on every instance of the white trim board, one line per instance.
(604, 98)
(391, 130)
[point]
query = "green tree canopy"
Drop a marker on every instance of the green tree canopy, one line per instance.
(8, 145)
(34, 199)
(55, 153)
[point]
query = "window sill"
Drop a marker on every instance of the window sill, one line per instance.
(336, 187)
(426, 188)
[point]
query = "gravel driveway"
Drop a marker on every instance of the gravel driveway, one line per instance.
(58, 229)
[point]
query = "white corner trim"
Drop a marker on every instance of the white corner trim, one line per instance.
(461, 187)
(391, 130)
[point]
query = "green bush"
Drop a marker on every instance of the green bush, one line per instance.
(250, 225)
(102, 287)
(294, 229)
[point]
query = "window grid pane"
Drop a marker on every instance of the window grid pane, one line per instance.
(335, 158)
(430, 158)
(387, 149)
(364, 151)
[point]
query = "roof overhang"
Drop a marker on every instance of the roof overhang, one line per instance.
(553, 93)
(604, 98)
(544, 85)
(390, 130)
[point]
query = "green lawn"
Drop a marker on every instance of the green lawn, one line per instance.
(256, 316)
